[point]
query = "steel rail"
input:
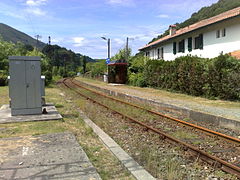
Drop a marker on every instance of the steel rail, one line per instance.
(230, 138)
(212, 160)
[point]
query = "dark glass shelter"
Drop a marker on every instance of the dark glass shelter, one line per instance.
(117, 72)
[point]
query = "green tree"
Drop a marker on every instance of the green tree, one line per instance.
(6, 49)
(84, 64)
(46, 68)
(97, 69)
(122, 54)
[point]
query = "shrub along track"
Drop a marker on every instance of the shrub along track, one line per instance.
(224, 148)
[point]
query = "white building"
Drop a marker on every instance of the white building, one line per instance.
(207, 38)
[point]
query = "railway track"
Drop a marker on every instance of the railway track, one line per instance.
(215, 160)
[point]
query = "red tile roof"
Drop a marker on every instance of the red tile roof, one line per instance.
(226, 15)
(235, 54)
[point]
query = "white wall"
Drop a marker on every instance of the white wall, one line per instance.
(229, 43)
(212, 46)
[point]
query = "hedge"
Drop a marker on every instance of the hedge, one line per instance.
(212, 78)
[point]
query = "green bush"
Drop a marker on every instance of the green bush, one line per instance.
(190, 73)
(137, 79)
(224, 78)
(71, 74)
(97, 69)
(3, 78)
(136, 68)
(213, 78)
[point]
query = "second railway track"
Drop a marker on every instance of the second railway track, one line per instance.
(221, 154)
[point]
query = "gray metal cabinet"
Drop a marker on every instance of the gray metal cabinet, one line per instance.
(25, 85)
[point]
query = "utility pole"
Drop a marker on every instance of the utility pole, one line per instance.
(108, 48)
(108, 44)
(38, 37)
(49, 40)
(126, 51)
(108, 59)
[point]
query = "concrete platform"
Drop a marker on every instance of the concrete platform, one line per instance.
(6, 117)
(51, 156)
(198, 111)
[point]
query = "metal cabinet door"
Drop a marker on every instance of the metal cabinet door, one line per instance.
(17, 90)
(33, 83)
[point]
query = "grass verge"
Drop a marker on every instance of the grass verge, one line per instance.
(106, 164)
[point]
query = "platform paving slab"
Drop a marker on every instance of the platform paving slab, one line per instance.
(133, 167)
(50, 156)
(6, 117)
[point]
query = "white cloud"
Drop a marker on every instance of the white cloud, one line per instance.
(35, 11)
(35, 2)
(57, 40)
(118, 41)
(163, 16)
(79, 41)
(34, 7)
(121, 2)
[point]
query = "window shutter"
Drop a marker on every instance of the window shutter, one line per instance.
(174, 48)
(201, 41)
(190, 44)
(162, 53)
(224, 32)
(183, 45)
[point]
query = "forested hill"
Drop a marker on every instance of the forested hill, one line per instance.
(204, 13)
(12, 35)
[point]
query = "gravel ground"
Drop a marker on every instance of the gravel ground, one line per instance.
(171, 111)
(226, 109)
(162, 159)
(222, 149)
(132, 140)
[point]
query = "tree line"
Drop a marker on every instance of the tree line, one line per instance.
(56, 61)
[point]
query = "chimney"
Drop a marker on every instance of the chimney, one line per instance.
(172, 29)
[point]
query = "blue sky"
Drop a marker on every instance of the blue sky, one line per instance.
(80, 24)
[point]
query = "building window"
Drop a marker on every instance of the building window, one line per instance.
(190, 44)
(223, 32)
(174, 48)
(158, 53)
(199, 42)
(162, 53)
(218, 34)
(181, 46)
(196, 40)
